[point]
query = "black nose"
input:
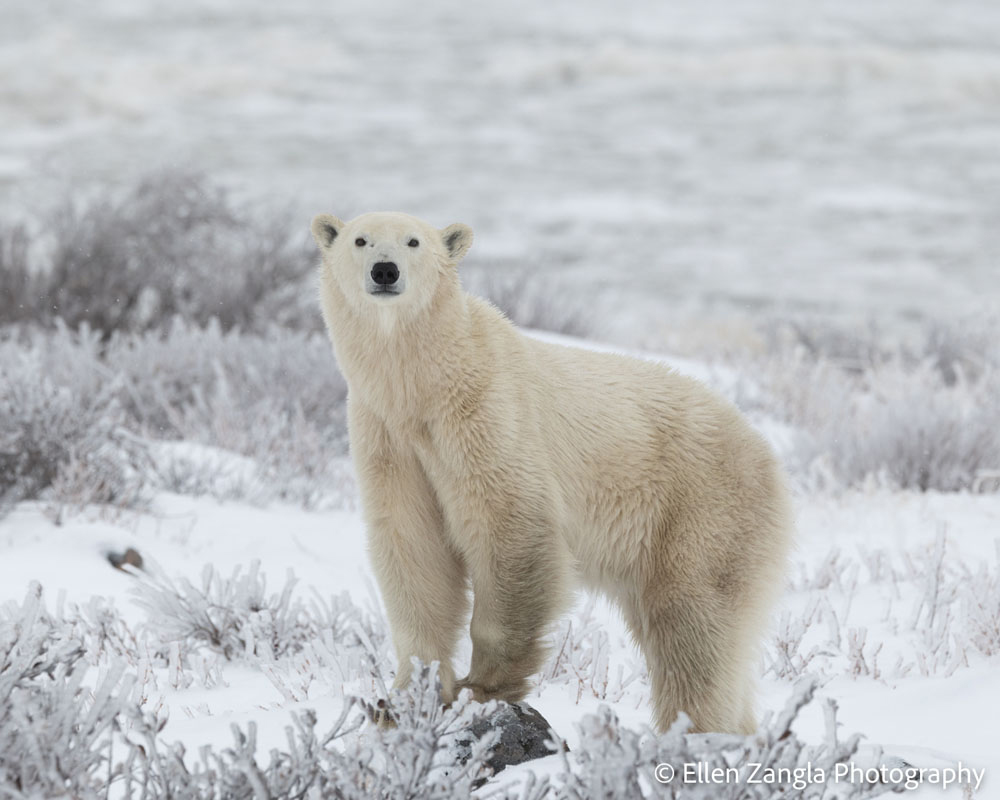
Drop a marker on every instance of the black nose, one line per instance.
(385, 273)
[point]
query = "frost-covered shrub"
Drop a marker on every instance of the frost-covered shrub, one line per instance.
(184, 365)
(162, 770)
(962, 349)
(787, 656)
(55, 730)
(69, 439)
(18, 283)
(414, 760)
(968, 344)
(346, 643)
(915, 415)
(234, 615)
(172, 244)
(614, 761)
(31, 644)
(73, 725)
(531, 298)
(276, 398)
(904, 426)
(979, 594)
(853, 348)
(420, 754)
(939, 613)
(237, 617)
(581, 655)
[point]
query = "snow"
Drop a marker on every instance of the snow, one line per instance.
(938, 718)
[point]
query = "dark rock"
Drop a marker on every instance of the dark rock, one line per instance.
(523, 736)
(130, 557)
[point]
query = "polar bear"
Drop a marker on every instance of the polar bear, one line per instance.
(522, 469)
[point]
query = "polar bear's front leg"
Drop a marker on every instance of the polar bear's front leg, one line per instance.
(424, 590)
(520, 584)
(420, 575)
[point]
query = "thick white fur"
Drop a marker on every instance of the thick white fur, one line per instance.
(522, 468)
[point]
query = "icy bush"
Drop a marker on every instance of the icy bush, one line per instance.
(614, 761)
(979, 596)
(162, 770)
(851, 348)
(69, 440)
(55, 730)
(237, 617)
(963, 349)
(80, 411)
(172, 244)
(581, 655)
(18, 283)
(905, 427)
(276, 398)
(73, 724)
(414, 760)
(234, 616)
(175, 244)
(420, 754)
(68, 730)
(915, 416)
(530, 298)
(188, 366)
(939, 614)
(968, 344)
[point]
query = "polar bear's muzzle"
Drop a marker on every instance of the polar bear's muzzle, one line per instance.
(383, 279)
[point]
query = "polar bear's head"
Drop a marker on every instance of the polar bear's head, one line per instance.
(388, 260)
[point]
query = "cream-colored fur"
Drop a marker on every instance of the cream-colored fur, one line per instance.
(520, 468)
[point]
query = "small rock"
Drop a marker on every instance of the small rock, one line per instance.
(130, 557)
(523, 736)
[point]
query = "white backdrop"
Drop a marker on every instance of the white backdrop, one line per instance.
(842, 157)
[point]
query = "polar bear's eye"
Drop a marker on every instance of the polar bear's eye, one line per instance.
(360, 242)
(413, 243)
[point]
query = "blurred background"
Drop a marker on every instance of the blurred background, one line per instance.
(773, 186)
(836, 157)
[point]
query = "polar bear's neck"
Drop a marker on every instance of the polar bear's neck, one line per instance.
(404, 366)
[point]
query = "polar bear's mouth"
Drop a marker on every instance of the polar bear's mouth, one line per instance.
(384, 291)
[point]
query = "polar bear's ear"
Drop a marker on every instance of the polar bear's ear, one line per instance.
(457, 240)
(325, 228)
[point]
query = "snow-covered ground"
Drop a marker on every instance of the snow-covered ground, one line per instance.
(880, 608)
(929, 720)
